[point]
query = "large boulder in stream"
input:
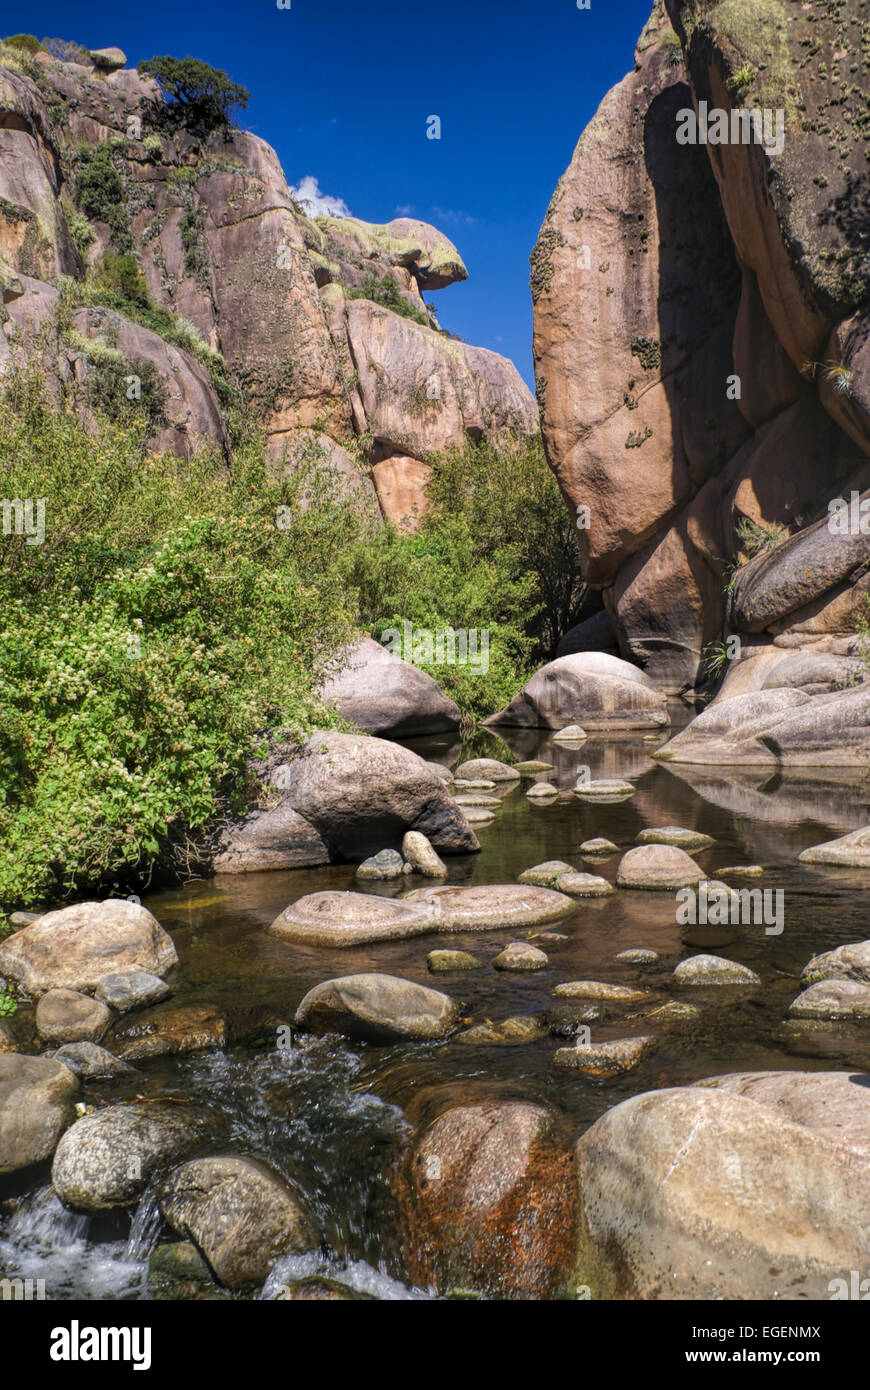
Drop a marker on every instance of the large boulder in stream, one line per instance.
(487, 1197)
(239, 1214)
(384, 695)
(75, 947)
(360, 795)
(752, 1185)
(593, 689)
(778, 728)
(106, 1159)
(37, 1101)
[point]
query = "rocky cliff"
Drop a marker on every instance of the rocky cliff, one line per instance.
(318, 323)
(701, 331)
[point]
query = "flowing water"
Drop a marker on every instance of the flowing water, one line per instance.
(329, 1114)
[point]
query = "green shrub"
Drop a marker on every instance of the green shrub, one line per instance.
(80, 228)
(165, 623)
(67, 51)
(153, 148)
(754, 538)
(198, 97)
(28, 43)
(385, 291)
(100, 193)
(119, 277)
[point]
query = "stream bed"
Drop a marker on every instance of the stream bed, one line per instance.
(328, 1114)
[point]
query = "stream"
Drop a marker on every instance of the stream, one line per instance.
(328, 1114)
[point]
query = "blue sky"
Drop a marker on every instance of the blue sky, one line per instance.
(342, 89)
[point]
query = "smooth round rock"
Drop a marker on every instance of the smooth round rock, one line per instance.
(521, 955)
(572, 733)
(470, 784)
(376, 1008)
(689, 840)
(442, 962)
(422, 858)
(598, 849)
(849, 851)
(64, 1015)
(531, 766)
(477, 815)
(488, 769)
(741, 871)
(545, 875)
(580, 885)
(491, 905)
(839, 1000)
(335, 918)
(850, 962)
(381, 867)
(714, 970)
(74, 947)
(660, 867)
(542, 791)
(638, 955)
(476, 799)
(90, 1062)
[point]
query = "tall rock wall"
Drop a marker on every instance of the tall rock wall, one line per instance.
(701, 313)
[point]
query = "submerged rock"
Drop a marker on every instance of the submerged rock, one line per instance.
(598, 848)
(131, 989)
(90, 1062)
(583, 885)
(241, 1216)
(545, 875)
(376, 1008)
(607, 790)
(491, 906)
(660, 867)
(523, 1028)
(107, 1158)
(334, 918)
(37, 1102)
(638, 955)
(441, 962)
(169, 1030)
(75, 947)
(541, 791)
(487, 1201)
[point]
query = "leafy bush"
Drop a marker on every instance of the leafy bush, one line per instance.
(754, 538)
(28, 43)
(119, 277)
(80, 228)
(165, 622)
(385, 291)
(100, 193)
(198, 97)
(67, 51)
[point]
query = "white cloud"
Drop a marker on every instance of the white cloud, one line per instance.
(403, 210)
(452, 215)
(308, 195)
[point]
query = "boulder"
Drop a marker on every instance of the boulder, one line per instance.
(849, 851)
(491, 906)
(74, 947)
(689, 840)
(713, 970)
(604, 1059)
(89, 1062)
(589, 688)
(169, 1030)
(387, 864)
(778, 728)
(598, 848)
(572, 733)
(239, 1214)
(376, 1008)
(37, 1101)
(486, 769)
(420, 857)
(108, 59)
(508, 1032)
(677, 1197)
(107, 1159)
(545, 875)
(131, 989)
(361, 793)
(384, 695)
(851, 962)
(521, 956)
(542, 791)
(65, 1016)
(333, 918)
(583, 885)
(661, 867)
(836, 999)
(270, 839)
(487, 1200)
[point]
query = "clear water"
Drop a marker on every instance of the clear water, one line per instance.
(329, 1115)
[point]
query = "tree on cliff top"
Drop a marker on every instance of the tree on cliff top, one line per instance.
(196, 96)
